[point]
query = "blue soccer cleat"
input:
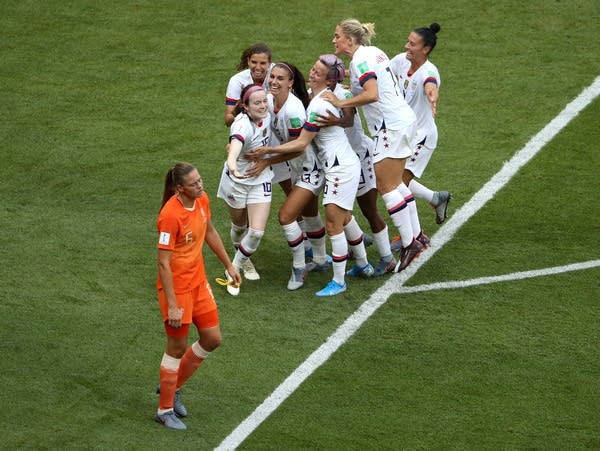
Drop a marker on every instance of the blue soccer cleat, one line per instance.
(361, 271)
(331, 289)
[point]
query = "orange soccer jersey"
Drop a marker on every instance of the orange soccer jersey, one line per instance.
(182, 231)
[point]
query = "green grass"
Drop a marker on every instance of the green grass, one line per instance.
(99, 99)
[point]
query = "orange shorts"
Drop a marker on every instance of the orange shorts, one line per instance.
(203, 321)
(198, 306)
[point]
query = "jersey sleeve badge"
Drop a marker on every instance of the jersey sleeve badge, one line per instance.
(164, 238)
(363, 67)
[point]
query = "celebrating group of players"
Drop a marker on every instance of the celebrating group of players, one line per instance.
(311, 142)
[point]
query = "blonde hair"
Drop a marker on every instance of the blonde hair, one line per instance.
(361, 33)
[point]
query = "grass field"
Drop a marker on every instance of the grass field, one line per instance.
(100, 98)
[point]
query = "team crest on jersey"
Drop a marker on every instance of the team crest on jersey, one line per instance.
(295, 122)
(363, 67)
(264, 133)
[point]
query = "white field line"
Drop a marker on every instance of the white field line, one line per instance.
(504, 278)
(395, 283)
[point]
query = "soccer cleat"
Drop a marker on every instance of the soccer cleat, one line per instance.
(178, 406)
(331, 289)
(423, 239)
(296, 279)
(408, 254)
(396, 244)
(249, 270)
(308, 254)
(170, 420)
(441, 205)
(312, 266)
(232, 289)
(384, 266)
(361, 271)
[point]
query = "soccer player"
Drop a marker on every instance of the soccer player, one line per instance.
(248, 197)
(288, 100)
(366, 195)
(420, 83)
(184, 294)
(254, 66)
(342, 171)
(391, 122)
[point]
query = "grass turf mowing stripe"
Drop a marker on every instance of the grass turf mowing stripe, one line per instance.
(395, 283)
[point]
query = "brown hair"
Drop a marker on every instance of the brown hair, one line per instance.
(253, 50)
(299, 83)
(175, 177)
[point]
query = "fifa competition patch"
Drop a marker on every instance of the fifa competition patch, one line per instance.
(313, 117)
(164, 238)
(363, 67)
(295, 122)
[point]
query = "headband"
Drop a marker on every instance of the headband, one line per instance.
(251, 90)
(287, 67)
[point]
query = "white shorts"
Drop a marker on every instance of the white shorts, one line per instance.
(341, 183)
(419, 160)
(394, 143)
(238, 195)
(307, 172)
(367, 180)
(281, 172)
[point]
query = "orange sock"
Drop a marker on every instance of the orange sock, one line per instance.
(191, 360)
(168, 381)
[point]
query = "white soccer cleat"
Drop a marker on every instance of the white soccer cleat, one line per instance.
(232, 288)
(249, 270)
(296, 279)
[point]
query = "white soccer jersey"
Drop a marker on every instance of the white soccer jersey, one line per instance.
(361, 144)
(238, 82)
(413, 89)
(340, 164)
(331, 143)
(287, 122)
(356, 134)
(252, 136)
(390, 110)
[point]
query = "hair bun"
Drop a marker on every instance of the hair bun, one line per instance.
(435, 27)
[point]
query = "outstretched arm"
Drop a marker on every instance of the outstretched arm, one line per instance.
(432, 92)
(345, 121)
(295, 146)
(369, 95)
(235, 148)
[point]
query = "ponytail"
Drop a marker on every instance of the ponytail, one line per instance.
(173, 178)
